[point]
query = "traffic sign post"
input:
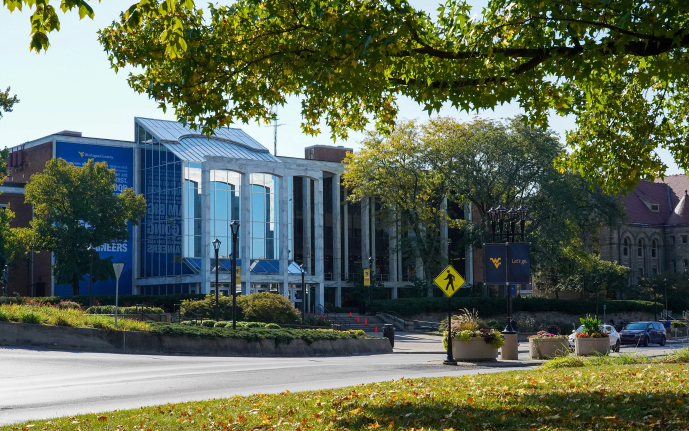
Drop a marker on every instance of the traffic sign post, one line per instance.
(367, 277)
(449, 281)
(117, 267)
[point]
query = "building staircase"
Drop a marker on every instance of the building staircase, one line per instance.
(366, 323)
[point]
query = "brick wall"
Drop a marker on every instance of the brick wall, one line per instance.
(35, 159)
(326, 153)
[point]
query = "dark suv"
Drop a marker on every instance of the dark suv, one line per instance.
(643, 333)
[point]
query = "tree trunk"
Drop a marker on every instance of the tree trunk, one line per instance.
(75, 284)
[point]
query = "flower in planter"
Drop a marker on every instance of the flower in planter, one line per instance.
(546, 335)
(592, 327)
(582, 335)
(465, 328)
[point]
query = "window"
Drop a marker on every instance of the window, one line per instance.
(640, 249)
(674, 266)
(654, 248)
(672, 238)
(655, 208)
(686, 265)
(654, 271)
(625, 247)
(264, 216)
(641, 272)
(225, 208)
(684, 239)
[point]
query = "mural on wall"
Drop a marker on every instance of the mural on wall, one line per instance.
(122, 160)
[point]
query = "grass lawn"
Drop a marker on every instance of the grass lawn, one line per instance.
(606, 397)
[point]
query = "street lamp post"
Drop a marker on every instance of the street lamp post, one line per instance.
(90, 249)
(370, 288)
(303, 293)
(216, 246)
(500, 214)
(234, 226)
(655, 302)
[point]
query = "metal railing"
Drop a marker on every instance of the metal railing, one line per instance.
(145, 315)
(334, 319)
(177, 309)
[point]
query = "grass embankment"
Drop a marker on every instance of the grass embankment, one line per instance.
(47, 315)
(608, 397)
(679, 356)
(50, 315)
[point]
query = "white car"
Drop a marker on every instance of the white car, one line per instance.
(608, 329)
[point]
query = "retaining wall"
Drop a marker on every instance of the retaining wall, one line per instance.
(106, 341)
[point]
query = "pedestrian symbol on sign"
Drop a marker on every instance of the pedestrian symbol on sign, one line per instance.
(449, 281)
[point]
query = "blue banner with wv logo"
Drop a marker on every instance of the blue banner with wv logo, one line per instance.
(506, 263)
(122, 160)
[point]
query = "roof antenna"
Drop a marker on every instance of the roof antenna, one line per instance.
(275, 130)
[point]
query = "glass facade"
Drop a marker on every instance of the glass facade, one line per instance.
(225, 207)
(265, 236)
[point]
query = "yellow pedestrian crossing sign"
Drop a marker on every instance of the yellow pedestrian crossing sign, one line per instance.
(449, 281)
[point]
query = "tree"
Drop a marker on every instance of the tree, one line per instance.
(74, 208)
(619, 66)
(7, 102)
(394, 171)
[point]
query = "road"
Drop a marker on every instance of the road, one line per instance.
(37, 384)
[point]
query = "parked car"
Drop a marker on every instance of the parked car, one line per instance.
(613, 335)
(643, 333)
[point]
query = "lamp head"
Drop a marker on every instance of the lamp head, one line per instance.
(216, 244)
(523, 213)
(501, 210)
(234, 226)
(492, 214)
(513, 214)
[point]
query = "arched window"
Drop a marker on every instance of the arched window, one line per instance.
(640, 249)
(625, 247)
(654, 248)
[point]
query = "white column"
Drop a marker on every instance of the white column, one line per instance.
(365, 235)
(205, 229)
(245, 232)
(318, 230)
(372, 215)
(392, 256)
(469, 252)
(284, 238)
(337, 252)
(346, 236)
(306, 205)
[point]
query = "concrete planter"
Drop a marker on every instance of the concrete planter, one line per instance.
(544, 348)
(591, 346)
(144, 343)
(476, 349)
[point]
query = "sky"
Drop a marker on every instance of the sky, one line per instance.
(72, 87)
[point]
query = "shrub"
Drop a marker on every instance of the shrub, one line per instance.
(273, 326)
(188, 323)
(269, 308)
(254, 325)
(205, 308)
(66, 304)
(317, 320)
(222, 324)
(208, 323)
(110, 309)
(678, 324)
(487, 307)
(66, 317)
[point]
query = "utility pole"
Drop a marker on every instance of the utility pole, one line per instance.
(275, 130)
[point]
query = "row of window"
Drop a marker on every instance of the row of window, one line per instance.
(640, 247)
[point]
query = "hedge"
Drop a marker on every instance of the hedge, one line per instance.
(166, 302)
(486, 307)
(110, 309)
(282, 335)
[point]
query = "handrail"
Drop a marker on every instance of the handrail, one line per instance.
(178, 309)
(335, 319)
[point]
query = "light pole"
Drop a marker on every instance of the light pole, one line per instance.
(216, 247)
(655, 302)
(500, 214)
(117, 267)
(303, 293)
(370, 288)
(90, 249)
(234, 226)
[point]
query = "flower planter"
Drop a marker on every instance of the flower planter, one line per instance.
(475, 349)
(544, 348)
(591, 346)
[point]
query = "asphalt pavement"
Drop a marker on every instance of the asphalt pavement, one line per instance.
(37, 384)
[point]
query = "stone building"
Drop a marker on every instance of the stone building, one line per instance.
(655, 237)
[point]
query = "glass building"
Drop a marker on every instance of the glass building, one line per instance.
(292, 212)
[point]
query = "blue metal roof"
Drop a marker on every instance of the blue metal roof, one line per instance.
(164, 130)
(194, 149)
(190, 146)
